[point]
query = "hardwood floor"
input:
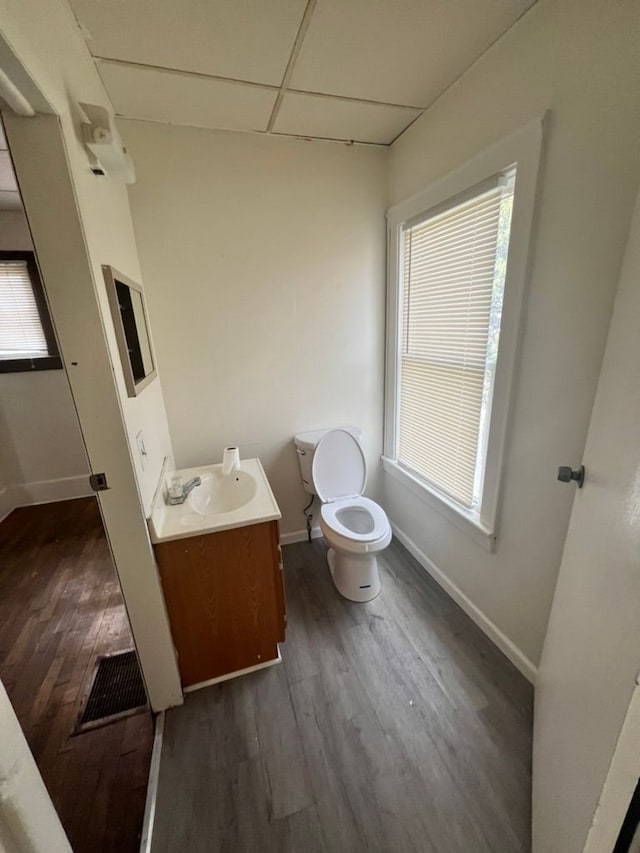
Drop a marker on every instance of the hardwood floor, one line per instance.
(60, 607)
(390, 726)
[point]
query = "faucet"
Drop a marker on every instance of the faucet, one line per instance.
(179, 497)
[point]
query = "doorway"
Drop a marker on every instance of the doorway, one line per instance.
(61, 606)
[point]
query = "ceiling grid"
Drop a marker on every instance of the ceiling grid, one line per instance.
(347, 70)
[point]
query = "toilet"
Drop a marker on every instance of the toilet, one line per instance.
(355, 528)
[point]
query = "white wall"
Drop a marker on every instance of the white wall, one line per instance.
(580, 59)
(263, 261)
(41, 449)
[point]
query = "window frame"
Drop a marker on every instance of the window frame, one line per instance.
(522, 150)
(52, 361)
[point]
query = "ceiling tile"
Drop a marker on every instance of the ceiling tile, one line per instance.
(7, 177)
(186, 99)
(10, 201)
(333, 118)
(404, 52)
(243, 39)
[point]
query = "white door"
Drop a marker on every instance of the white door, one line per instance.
(591, 656)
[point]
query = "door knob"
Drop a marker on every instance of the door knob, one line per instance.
(566, 475)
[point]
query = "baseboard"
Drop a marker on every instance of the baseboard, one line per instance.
(152, 786)
(15, 495)
(299, 536)
(51, 491)
(7, 504)
(506, 646)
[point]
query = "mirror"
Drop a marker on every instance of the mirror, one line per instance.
(132, 331)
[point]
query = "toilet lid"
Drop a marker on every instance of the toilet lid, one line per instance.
(339, 469)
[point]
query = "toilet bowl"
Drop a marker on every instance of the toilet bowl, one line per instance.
(355, 528)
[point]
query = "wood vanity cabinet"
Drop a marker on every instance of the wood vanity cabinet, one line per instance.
(225, 598)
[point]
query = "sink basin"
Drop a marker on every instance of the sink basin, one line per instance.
(220, 494)
(219, 503)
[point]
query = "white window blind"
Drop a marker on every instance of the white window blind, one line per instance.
(452, 271)
(21, 334)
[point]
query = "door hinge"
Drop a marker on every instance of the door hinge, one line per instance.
(98, 482)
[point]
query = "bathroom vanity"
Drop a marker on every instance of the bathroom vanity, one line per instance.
(220, 565)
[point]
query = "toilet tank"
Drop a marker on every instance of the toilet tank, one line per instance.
(306, 443)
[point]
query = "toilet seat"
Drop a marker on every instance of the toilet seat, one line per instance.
(331, 515)
(350, 522)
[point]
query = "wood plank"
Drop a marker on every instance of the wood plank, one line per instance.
(284, 767)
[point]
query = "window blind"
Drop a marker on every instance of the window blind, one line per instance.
(21, 334)
(452, 278)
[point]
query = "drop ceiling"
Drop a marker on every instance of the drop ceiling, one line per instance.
(352, 70)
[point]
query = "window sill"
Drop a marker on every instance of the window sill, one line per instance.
(466, 521)
(27, 365)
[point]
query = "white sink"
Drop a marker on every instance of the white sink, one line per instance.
(219, 494)
(220, 503)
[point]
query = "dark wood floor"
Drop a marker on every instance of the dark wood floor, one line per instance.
(390, 726)
(60, 607)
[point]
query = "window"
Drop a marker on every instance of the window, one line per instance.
(27, 340)
(452, 281)
(456, 279)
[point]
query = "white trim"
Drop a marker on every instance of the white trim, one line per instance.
(7, 505)
(152, 786)
(299, 536)
(619, 784)
(457, 515)
(506, 646)
(21, 78)
(51, 491)
(13, 97)
(235, 674)
(15, 495)
(523, 149)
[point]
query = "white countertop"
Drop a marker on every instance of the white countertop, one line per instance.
(198, 516)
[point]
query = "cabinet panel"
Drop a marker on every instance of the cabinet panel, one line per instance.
(225, 599)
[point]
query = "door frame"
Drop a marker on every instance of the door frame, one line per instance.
(620, 782)
(28, 819)
(43, 165)
(70, 275)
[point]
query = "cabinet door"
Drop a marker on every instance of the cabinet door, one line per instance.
(224, 598)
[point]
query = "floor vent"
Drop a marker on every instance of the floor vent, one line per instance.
(116, 690)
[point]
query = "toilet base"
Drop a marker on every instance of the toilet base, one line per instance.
(355, 578)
